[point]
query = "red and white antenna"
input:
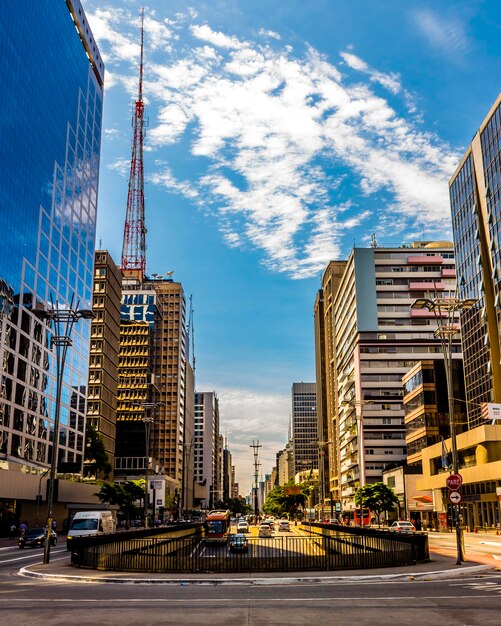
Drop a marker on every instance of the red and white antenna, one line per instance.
(134, 243)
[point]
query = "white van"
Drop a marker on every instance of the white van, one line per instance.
(91, 523)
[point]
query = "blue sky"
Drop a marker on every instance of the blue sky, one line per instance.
(280, 133)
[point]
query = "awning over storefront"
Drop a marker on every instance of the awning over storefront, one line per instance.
(423, 499)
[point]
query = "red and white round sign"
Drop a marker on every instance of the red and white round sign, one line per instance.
(454, 481)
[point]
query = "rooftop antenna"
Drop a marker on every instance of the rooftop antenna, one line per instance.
(255, 446)
(134, 242)
(373, 241)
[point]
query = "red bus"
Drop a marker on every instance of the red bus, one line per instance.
(217, 526)
(366, 517)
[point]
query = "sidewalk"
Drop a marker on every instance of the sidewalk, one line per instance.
(440, 567)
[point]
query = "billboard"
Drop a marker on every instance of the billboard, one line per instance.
(491, 411)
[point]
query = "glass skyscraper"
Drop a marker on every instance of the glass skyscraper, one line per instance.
(475, 194)
(51, 101)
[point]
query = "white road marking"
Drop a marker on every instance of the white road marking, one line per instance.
(28, 556)
(141, 600)
(490, 543)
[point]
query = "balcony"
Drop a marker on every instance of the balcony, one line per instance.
(448, 272)
(435, 259)
(415, 285)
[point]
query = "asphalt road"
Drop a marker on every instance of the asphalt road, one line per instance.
(468, 601)
(456, 602)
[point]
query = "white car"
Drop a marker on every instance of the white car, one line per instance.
(242, 527)
(284, 524)
(265, 531)
(403, 526)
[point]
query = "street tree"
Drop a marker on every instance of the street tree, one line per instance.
(377, 497)
(125, 496)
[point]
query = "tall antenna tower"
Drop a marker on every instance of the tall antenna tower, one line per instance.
(255, 446)
(134, 243)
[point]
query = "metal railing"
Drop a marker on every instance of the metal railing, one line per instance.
(284, 553)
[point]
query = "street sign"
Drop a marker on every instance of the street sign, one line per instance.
(455, 497)
(454, 481)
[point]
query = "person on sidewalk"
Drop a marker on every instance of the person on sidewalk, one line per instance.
(23, 527)
(13, 531)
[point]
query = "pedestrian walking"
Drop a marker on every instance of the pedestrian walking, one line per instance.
(23, 527)
(13, 531)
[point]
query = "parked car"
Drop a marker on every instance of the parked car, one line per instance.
(238, 543)
(284, 525)
(35, 538)
(265, 531)
(242, 527)
(403, 526)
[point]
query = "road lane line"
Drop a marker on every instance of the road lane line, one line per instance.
(329, 598)
(27, 556)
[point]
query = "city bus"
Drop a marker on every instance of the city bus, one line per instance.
(217, 526)
(352, 518)
(366, 517)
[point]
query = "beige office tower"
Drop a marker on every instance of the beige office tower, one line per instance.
(160, 303)
(372, 338)
(104, 346)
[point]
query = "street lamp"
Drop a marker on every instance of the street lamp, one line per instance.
(63, 321)
(445, 311)
(359, 419)
(149, 409)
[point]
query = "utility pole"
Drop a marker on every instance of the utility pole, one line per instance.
(255, 446)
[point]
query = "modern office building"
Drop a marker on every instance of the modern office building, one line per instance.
(426, 407)
(158, 304)
(206, 447)
(52, 93)
(372, 338)
(304, 427)
(104, 348)
(475, 195)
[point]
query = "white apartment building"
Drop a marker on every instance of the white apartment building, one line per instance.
(372, 338)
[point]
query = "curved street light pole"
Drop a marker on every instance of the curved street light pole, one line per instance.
(149, 409)
(359, 419)
(445, 311)
(63, 321)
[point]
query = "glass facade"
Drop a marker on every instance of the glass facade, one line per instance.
(476, 220)
(51, 103)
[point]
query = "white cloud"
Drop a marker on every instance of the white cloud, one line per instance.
(445, 33)
(214, 37)
(267, 129)
(244, 416)
(269, 33)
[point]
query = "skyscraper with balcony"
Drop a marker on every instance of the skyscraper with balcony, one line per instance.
(52, 95)
(372, 337)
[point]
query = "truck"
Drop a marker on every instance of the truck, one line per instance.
(86, 523)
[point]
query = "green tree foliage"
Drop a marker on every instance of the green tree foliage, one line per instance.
(278, 503)
(124, 495)
(377, 497)
(96, 463)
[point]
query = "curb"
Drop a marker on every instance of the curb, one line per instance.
(423, 576)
